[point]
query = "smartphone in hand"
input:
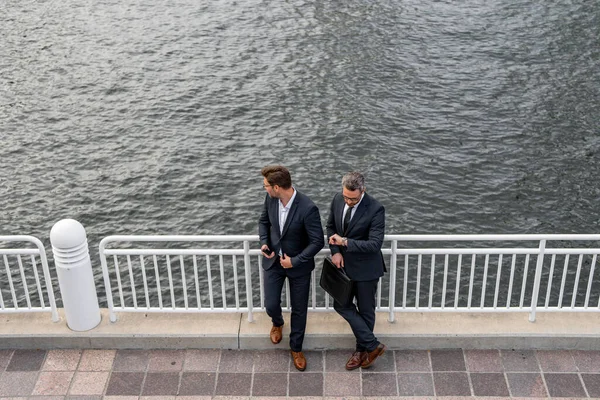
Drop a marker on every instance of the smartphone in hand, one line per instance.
(267, 251)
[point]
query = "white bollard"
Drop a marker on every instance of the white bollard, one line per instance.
(75, 277)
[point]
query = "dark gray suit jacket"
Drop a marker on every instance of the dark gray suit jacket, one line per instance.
(302, 236)
(363, 260)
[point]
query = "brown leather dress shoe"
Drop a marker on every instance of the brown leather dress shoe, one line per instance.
(372, 356)
(299, 360)
(356, 360)
(276, 334)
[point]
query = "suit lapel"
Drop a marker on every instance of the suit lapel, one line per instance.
(362, 207)
(291, 213)
(275, 213)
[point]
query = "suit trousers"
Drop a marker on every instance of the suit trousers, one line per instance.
(274, 279)
(361, 316)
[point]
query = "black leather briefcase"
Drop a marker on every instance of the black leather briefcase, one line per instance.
(335, 282)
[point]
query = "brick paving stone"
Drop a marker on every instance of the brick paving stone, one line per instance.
(341, 384)
(62, 360)
(314, 362)
(166, 360)
(236, 361)
(5, 356)
(489, 384)
(335, 361)
(525, 384)
(556, 361)
(587, 361)
(483, 361)
(83, 398)
(233, 384)
(306, 384)
(564, 385)
(202, 360)
(88, 383)
(270, 384)
(592, 384)
(197, 384)
(165, 398)
(17, 383)
(447, 360)
(53, 383)
(412, 360)
(519, 361)
(379, 384)
(161, 384)
(272, 361)
(383, 363)
(451, 384)
(96, 360)
(125, 384)
(131, 361)
(26, 360)
(415, 384)
(122, 398)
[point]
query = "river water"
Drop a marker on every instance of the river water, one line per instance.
(155, 116)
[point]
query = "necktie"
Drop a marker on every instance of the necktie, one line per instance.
(347, 219)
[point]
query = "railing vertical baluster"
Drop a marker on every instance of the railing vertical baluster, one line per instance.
(183, 282)
(537, 280)
(37, 281)
(392, 291)
(236, 290)
(445, 283)
(313, 283)
(550, 278)
(524, 284)
(210, 283)
(431, 280)
(222, 270)
(146, 295)
(457, 290)
(470, 298)
(119, 285)
(418, 291)
(24, 282)
(576, 284)
(590, 280)
(158, 289)
(133, 293)
(197, 283)
(512, 278)
(10, 283)
(287, 295)
(261, 283)
(563, 281)
(170, 275)
(484, 283)
(498, 275)
(405, 283)
(248, 274)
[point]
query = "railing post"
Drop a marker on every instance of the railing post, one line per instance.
(112, 316)
(537, 280)
(392, 294)
(248, 279)
(75, 277)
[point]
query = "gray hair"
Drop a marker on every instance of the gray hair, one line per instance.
(354, 181)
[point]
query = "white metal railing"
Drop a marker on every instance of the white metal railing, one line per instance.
(426, 273)
(21, 289)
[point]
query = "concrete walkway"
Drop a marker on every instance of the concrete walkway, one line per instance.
(491, 374)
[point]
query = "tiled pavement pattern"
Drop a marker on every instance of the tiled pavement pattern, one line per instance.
(154, 374)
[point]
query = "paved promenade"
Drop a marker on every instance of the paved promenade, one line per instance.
(491, 374)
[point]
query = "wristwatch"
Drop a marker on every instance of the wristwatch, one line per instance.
(345, 241)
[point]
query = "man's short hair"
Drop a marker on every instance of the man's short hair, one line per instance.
(354, 181)
(277, 175)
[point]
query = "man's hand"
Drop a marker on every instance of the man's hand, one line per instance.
(286, 262)
(338, 260)
(336, 240)
(267, 252)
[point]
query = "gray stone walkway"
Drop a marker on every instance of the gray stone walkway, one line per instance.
(91, 374)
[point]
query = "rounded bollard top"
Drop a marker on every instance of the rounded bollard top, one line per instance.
(67, 233)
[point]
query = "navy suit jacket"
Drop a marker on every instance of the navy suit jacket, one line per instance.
(363, 260)
(302, 236)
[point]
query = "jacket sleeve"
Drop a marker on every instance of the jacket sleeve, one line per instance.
(330, 227)
(312, 224)
(264, 224)
(376, 233)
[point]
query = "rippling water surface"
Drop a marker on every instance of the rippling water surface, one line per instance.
(156, 116)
